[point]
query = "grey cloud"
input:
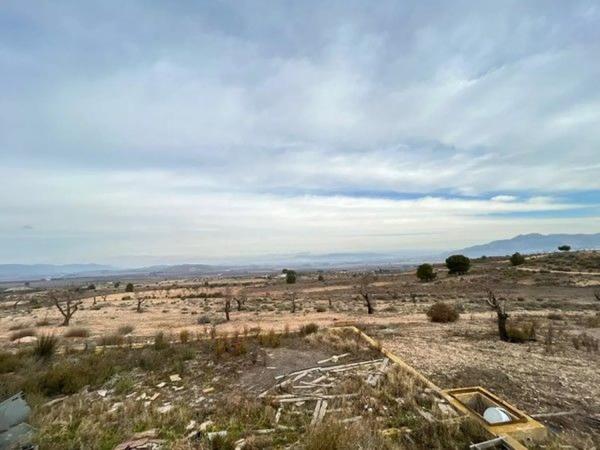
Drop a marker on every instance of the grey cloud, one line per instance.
(294, 97)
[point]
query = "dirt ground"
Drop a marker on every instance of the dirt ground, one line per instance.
(547, 375)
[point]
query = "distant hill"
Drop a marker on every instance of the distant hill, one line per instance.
(533, 243)
(15, 272)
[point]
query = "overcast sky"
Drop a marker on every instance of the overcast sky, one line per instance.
(201, 131)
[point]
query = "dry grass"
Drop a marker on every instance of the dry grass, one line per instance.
(124, 330)
(111, 339)
(77, 332)
(443, 313)
(22, 333)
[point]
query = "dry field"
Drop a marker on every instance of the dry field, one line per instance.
(558, 372)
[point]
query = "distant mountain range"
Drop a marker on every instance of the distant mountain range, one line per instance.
(15, 272)
(525, 243)
(533, 243)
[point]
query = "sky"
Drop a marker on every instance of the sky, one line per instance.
(200, 131)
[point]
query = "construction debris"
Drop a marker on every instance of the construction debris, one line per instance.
(145, 440)
(316, 391)
(14, 432)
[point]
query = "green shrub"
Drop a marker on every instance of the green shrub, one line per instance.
(290, 277)
(443, 312)
(45, 346)
(564, 248)
(458, 264)
(129, 287)
(425, 272)
(517, 259)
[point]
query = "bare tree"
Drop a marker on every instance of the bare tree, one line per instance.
(500, 307)
(292, 296)
(18, 299)
(365, 293)
(67, 303)
(227, 296)
(140, 302)
(241, 299)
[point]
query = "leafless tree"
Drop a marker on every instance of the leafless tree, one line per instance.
(292, 296)
(67, 303)
(140, 302)
(227, 296)
(241, 299)
(500, 307)
(367, 296)
(18, 299)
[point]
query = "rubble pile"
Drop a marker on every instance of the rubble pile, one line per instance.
(343, 389)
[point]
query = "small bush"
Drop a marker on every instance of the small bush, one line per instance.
(129, 287)
(184, 336)
(45, 346)
(203, 320)
(443, 312)
(160, 341)
(458, 264)
(584, 340)
(320, 309)
(517, 259)
(42, 322)
(521, 332)
(22, 333)
(309, 328)
(9, 362)
(77, 333)
(271, 339)
(555, 316)
(124, 330)
(425, 272)
(111, 339)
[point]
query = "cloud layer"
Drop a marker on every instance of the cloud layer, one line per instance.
(203, 131)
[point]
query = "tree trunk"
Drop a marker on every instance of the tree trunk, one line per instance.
(502, 317)
(227, 308)
(369, 303)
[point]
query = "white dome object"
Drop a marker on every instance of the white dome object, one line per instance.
(495, 415)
